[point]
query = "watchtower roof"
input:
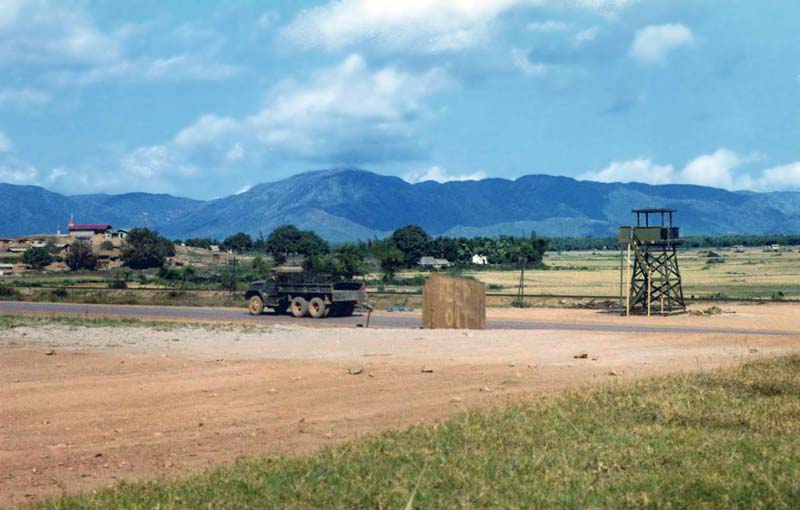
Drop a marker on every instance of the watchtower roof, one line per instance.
(651, 211)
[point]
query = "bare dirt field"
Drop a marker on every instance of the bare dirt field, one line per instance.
(82, 407)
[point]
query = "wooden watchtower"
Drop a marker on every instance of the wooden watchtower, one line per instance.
(650, 278)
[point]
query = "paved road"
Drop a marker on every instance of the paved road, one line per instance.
(379, 321)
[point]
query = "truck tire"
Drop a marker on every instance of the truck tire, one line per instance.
(299, 307)
(348, 309)
(343, 309)
(317, 308)
(255, 305)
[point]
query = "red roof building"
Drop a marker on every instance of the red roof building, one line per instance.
(87, 229)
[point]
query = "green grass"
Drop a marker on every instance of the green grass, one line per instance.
(728, 439)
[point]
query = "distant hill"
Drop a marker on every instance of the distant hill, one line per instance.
(350, 204)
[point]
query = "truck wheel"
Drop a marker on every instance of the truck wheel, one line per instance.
(299, 307)
(317, 308)
(256, 305)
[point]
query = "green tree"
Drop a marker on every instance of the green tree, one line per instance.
(389, 257)
(37, 258)
(413, 242)
(81, 256)
(288, 239)
(351, 259)
(239, 242)
(260, 266)
(197, 242)
(144, 248)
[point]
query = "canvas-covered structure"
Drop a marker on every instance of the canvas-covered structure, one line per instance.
(453, 303)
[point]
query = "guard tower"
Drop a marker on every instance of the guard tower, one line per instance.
(653, 284)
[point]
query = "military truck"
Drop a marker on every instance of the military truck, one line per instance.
(304, 294)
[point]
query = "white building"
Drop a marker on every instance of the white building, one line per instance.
(480, 260)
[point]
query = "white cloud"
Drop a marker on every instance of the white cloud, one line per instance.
(653, 43)
(17, 172)
(438, 174)
(23, 97)
(637, 170)
(244, 189)
(784, 177)
(347, 114)
(179, 67)
(720, 169)
(716, 169)
(417, 25)
(208, 128)
(5, 143)
(548, 26)
(44, 32)
(156, 162)
(523, 63)
(343, 114)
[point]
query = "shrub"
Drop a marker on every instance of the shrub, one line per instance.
(117, 284)
(37, 258)
(58, 293)
(107, 245)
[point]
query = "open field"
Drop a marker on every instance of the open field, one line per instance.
(750, 274)
(724, 440)
(87, 404)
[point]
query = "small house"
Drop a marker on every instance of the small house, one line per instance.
(433, 263)
(480, 260)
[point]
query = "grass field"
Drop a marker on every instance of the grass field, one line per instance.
(747, 274)
(725, 440)
(752, 273)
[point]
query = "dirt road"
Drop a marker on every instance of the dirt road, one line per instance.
(530, 319)
(85, 407)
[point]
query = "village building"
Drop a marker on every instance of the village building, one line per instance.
(434, 263)
(87, 231)
(480, 260)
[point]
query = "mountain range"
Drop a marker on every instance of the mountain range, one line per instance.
(352, 204)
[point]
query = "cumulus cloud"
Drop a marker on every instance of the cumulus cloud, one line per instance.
(637, 170)
(13, 171)
(417, 25)
(5, 143)
(66, 43)
(343, 114)
(154, 162)
(39, 31)
(722, 168)
(653, 43)
(783, 177)
(438, 174)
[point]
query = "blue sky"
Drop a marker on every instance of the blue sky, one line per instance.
(205, 99)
